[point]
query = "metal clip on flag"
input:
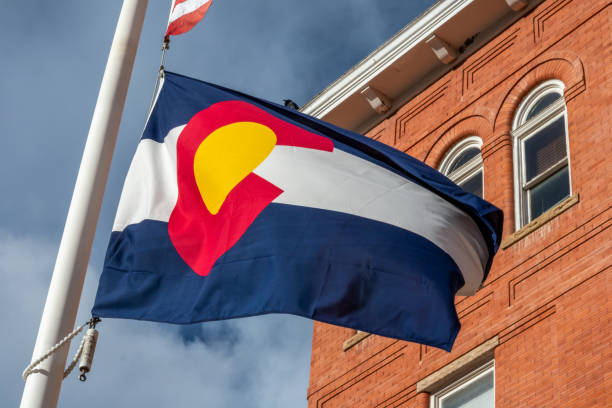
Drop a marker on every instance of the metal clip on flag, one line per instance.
(234, 206)
(184, 15)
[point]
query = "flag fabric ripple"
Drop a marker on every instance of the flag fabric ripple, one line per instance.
(234, 206)
(185, 14)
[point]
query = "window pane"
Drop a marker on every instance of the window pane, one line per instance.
(545, 148)
(478, 394)
(549, 192)
(473, 184)
(542, 104)
(464, 158)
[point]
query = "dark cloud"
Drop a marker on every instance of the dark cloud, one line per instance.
(222, 335)
(53, 58)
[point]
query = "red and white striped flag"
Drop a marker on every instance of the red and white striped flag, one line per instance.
(185, 14)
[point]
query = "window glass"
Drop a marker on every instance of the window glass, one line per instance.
(463, 165)
(474, 390)
(464, 158)
(545, 149)
(542, 104)
(473, 184)
(549, 192)
(477, 394)
(541, 152)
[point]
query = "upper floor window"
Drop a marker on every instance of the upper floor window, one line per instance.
(541, 160)
(475, 390)
(463, 165)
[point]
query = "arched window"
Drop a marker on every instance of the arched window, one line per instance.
(463, 165)
(541, 159)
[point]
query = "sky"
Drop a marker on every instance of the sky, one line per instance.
(52, 59)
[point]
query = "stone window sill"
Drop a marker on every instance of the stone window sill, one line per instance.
(541, 220)
(356, 338)
(459, 367)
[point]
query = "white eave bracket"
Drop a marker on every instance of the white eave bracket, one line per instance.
(443, 51)
(517, 5)
(378, 101)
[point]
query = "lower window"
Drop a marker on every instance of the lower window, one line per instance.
(475, 390)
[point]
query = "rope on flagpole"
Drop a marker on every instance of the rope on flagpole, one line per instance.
(165, 46)
(160, 72)
(74, 361)
(32, 367)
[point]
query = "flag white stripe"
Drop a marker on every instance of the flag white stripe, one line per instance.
(335, 181)
(184, 8)
(150, 190)
(339, 181)
(171, 9)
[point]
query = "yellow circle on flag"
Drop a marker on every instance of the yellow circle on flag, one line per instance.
(227, 156)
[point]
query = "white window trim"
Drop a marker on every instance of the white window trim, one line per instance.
(438, 397)
(473, 166)
(522, 130)
(550, 86)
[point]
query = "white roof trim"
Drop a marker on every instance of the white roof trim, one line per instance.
(383, 57)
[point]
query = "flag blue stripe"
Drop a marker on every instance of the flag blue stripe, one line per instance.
(182, 97)
(329, 266)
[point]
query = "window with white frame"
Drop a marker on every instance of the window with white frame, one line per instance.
(541, 159)
(475, 390)
(463, 165)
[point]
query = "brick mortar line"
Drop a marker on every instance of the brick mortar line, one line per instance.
(477, 305)
(357, 379)
(468, 68)
(575, 90)
(507, 44)
(496, 141)
(551, 304)
(496, 84)
(521, 325)
(400, 398)
(456, 124)
(537, 17)
(572, 89)
(492, 49)
(468, 72)
(330, 382)
(435, 96)
(555, 242)
(561, 5)
(489, 283)
(500, 146)
(549, 260)
(531, 320)
(544, 311)
(417, 106)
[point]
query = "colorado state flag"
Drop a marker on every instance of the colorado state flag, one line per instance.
(234, 206)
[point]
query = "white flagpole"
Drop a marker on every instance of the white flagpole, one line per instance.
(43, 386)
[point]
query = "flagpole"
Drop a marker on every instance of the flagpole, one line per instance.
(43, 386)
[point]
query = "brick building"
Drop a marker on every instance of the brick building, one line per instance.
(512, 100)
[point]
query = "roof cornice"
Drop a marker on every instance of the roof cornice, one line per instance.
(438, 41)
(379, 60)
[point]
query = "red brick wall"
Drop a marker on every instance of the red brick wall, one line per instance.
(548, 297)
